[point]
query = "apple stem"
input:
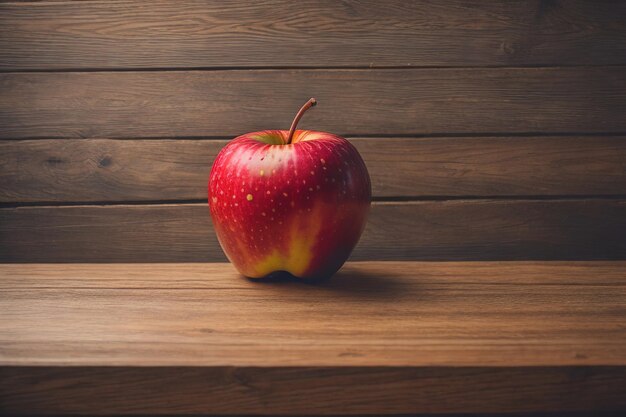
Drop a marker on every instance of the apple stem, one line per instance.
(312, 102)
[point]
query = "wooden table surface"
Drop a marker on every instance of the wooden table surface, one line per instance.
(381, 337)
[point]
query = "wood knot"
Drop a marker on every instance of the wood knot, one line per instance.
(104, 162)
(507, 48)
(54, 161)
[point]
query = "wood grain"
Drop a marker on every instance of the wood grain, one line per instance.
(380, 337)
(107, 170)
(132, 34)
(421, 230)
(303, 391)
(194, 275)
(352, 102)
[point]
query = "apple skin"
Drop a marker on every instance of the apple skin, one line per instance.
(299, 207)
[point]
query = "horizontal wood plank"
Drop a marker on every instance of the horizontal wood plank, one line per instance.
(194, 275)
(133, 34)
(106, 170)
(556, 302)
(352, 102)
(422, 230)
(199, 339)
(301, 391)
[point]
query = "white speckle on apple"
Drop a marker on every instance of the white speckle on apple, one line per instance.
(263, 214)
(267, 192)
(322, 161)
(248, 197)
(312, 172)
(310, 188)
(317, 186)
(285, 194)
(261, 172)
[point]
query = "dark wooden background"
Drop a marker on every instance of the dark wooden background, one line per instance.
(491, 129)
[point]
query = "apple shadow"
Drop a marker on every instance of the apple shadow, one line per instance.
(348, 282)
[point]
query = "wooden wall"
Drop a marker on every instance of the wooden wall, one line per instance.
(491, 129)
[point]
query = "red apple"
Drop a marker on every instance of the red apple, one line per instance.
(294, 201)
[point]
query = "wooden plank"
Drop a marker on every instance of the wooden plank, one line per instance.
(199, 339)
(132, 34)
(194, 275)
(101, 170)
(251, 391)
(421, 230)
(352, 102)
